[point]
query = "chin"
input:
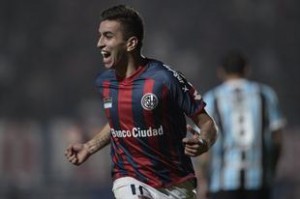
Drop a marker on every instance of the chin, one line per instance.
(108, 66)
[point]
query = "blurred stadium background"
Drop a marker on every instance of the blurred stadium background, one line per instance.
(49, 60)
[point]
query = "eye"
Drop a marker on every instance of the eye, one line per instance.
(108, 35)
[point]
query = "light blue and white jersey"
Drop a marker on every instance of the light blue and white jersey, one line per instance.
(247, 113)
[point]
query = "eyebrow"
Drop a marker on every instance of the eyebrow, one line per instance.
(106, 33)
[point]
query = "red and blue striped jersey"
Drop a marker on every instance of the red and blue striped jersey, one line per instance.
(146, 113)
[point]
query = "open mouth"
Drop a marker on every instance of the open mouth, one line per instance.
(106, 57)
(105, 54)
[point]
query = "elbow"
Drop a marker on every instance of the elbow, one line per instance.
(214, 133)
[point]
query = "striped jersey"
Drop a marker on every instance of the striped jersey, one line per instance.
(146, 113)
(247, 113)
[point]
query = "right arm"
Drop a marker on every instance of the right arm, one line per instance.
(79, 153)
(277, 147)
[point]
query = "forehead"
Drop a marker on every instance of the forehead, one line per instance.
(109, 26)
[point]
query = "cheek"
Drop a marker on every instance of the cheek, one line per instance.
(119, 50)
(120, 53)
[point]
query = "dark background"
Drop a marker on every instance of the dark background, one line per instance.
(49, 60)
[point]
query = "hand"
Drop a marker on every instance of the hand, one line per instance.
(77, 153)
(192, 146)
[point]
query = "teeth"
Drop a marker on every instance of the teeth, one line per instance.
(104, 53)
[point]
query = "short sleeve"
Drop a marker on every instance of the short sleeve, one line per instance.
(275, 116)
(185, 94)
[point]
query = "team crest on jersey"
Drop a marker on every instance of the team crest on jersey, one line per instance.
(149, 101)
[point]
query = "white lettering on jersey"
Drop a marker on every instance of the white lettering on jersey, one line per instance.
(137, 132)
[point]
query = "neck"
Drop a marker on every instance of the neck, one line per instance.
(229, 77)
(132, 64)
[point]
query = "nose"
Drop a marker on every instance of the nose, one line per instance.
(100, 43)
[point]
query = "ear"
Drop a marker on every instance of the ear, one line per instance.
(132, 43)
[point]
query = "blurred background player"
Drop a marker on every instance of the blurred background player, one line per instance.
(243, 161)
(145, 103)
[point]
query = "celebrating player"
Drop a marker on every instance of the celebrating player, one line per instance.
(145, 102)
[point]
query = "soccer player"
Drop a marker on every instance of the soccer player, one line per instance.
(145, 102)
(243, 160)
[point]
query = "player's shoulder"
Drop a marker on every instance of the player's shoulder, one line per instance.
(266, 90)
(162, 71)
(156, 66)
(258, 86)
(214, 91)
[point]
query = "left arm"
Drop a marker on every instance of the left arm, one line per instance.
(200, 143)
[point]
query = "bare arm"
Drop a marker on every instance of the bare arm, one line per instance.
(100, 140)
(200, 143)
(277, 147)
(201, 170)
(209, 134)
(78, 153)
(207, 126)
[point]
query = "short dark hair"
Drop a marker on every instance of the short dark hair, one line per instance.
(130, 19)
(234, 62)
